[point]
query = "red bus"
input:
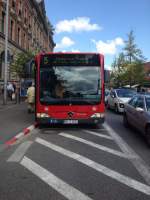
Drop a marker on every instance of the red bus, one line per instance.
(69, 88)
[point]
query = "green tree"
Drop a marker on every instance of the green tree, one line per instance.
(128, 67)
(131, 51)
(18, 66)
(118, 70)
(134, 73)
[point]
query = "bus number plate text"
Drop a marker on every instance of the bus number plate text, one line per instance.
(70, 121)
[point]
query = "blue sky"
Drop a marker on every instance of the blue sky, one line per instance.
(99, 25)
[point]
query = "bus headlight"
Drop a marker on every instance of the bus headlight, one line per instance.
(98, 115)
(42, 115)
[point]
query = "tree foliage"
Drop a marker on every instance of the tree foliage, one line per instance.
(118, 71)
(127, 68)
(18, 65)
(132, 52)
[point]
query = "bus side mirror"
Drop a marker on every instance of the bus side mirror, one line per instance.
(106, 76)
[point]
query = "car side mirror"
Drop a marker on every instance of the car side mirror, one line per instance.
(139, 109)
(113, 96)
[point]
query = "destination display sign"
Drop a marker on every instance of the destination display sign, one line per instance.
(70, 60)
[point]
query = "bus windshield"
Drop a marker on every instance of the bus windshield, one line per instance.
(75, 85)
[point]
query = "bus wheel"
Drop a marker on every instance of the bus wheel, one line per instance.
(98, 126)
(40, 126)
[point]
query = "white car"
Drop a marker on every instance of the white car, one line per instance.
(118, 97)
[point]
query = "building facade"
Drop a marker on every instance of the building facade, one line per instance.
(147, 71)
(28, 29)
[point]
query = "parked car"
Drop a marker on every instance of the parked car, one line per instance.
(118, 97)
(137, 114)
(106, 95)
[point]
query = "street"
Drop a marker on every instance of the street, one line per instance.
(82, 162)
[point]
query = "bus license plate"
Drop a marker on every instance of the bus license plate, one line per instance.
(70, 121)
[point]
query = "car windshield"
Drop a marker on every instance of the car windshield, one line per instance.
(148, 103)
(70, 84)
(125, 93)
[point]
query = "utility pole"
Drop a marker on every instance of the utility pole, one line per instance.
(6, 54)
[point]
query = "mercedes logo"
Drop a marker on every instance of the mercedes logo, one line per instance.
(70, 114)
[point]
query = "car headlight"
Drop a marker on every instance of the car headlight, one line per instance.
(42, 115)
(98, 115)
(120, 101)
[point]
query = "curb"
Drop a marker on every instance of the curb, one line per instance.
(25, 131)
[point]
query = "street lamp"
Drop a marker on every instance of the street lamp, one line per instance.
(6, 54)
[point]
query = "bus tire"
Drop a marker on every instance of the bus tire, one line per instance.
(40, 126)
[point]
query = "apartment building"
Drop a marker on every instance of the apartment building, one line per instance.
(28, 29)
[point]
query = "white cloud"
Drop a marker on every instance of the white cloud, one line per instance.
(108, 47)
(108, 67)
(75, 50)
(119, 41)
(65, 43)
(77, 24)
(72, 50)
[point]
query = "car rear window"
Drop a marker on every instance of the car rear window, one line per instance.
(125, 93)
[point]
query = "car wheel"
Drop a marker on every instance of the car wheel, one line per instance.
(125, 120)
(148, 135)
(116, 109)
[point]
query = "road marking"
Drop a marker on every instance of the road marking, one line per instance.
(98, 167)
(98, 134)
(56, 183)
(136, 160)
(100, 147)
(20, 152)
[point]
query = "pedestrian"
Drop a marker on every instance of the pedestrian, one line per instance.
(31, 98)
(14, 86)
(10, 90)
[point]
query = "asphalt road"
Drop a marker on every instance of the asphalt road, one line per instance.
(77, 163)
(13, 119)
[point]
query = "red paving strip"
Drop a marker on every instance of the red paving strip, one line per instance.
(26, 131)
(23, 133)
(11, 141)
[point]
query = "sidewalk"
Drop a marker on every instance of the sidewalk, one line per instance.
(9, 102)
(13, 119)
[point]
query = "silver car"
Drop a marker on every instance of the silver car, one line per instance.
(118, 97)
(137, 114)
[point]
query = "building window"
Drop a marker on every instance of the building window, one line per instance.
(3, 22)
(28, 44)
(24, 41)
(13, 4)
(11, 30)
(29, 21)
(19, 36)
(25, 16)
(19, 9)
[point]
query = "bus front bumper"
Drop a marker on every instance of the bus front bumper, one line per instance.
(46, 121)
